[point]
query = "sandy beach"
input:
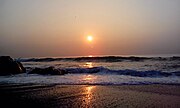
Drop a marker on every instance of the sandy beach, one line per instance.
(90, 96)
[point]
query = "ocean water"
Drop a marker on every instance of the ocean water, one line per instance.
(107, 70)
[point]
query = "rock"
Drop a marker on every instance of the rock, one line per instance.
(8, 66)
(48, 71)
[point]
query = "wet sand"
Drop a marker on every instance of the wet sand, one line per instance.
(90, 96)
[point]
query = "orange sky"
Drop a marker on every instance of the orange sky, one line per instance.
(36, 28)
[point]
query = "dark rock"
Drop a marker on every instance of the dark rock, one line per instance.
(48, 71)
(8, 66)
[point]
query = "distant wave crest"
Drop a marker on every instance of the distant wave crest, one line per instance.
(98, 59)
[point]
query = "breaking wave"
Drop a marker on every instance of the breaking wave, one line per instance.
(135, 73)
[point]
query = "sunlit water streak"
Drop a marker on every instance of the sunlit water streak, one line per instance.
(87, 99)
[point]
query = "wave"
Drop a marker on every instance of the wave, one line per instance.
(102, 70)
(98, 59)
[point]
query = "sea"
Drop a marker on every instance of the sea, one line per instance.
(101, 70)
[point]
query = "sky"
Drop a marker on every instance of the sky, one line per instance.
(53, 28)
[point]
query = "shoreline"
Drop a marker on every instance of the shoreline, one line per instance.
(68, 96)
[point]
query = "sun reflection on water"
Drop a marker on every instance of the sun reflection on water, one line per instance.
(88, 64)
(89, 79)
(89, 92)
(88, 98)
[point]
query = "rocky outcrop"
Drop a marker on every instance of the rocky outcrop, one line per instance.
(8, 66)
(48, 71)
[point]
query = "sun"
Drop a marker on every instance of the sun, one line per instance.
(89, 38)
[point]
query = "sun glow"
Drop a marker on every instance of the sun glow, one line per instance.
(89, 38)
(90, 56)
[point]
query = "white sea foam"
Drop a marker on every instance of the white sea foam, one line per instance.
(87, 79)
